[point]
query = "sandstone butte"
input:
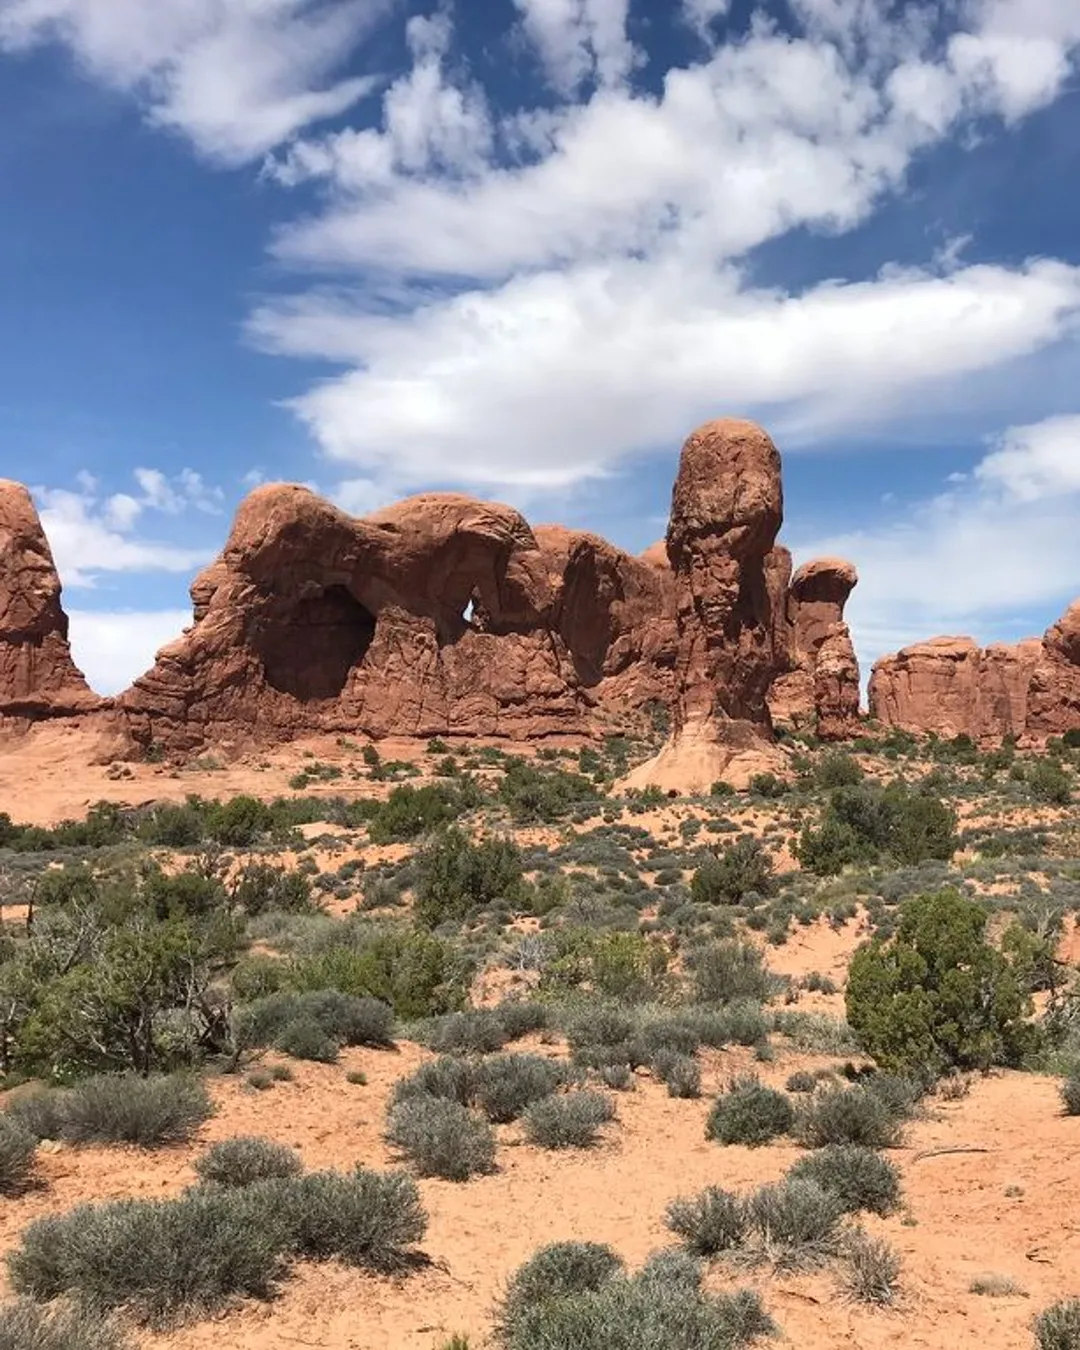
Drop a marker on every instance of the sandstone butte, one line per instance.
(443, 615)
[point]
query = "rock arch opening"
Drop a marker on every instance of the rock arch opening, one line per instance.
(309, 652)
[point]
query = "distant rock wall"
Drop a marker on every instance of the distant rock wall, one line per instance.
(951, 686)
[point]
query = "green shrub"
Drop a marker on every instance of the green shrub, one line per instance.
(570, 1121)
(852, 1115)
(244, 1160)
(1058, 1327)
(261, 887)
(409, 812)
(628, 967)
(448, 1078)
(506, 1084)
(663, 1307)
(861, 824)
(801, 1081)
(480, 1031)
(1070, 1094)
(682, 1076)
(730, 969)
(520, 1017)
(938, 994)
(367, 1219)
(749, 1113)
(441, 1138)
(455, 877)
(533, 795)
(873, 1270)
(859, 1177)
(348, 1018)
(727, 877)
(1048, 782)
(794, 1222)
(25, 1325)
(414, 972)
(305, 1038)
(560, 1270)
(166, 1261)
(255, 977)
(837, 769)
(712, 1222)
(127, 1109)
(161, 1260)
(17, 1149)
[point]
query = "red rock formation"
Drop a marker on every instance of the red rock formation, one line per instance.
(38, 678)
(818, 686)
(726, 510)
(951, 686)
(444, 615)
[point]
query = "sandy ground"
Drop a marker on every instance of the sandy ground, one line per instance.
(1007, 1211)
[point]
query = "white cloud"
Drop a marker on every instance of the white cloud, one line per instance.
(1036, 462)
(112, 648)
(560, 376)
(589, 306)
(90, 534)
(700, 14)
(579, 40)
(237, 77)
(993, 546)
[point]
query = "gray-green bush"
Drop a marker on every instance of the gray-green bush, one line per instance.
(749, 1113)
(1058, 1327)
(860, 1178)
(17, 1150)
(505, 1085)
(852, 1115)
(441, 1138)
(25, 1325)
(118, 1109)
(244, 1160)
(167, 1261)
(663, 1307)
(714, 1221)
(794, 1223)
(570, 1121)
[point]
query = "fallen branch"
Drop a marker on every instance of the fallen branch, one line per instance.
(958, 1148)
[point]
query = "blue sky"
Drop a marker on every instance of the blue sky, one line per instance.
(522, 247)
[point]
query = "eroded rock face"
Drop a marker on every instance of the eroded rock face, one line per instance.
(951, 686)
(38, 678)
(818, 684)
(444, 615)
(726, 509)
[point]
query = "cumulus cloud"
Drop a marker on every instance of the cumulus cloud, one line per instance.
(561, 376)
(235, 77)
(91, 533)
(990, 546)
(569, 282)
(112, 648)
(579, 40)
